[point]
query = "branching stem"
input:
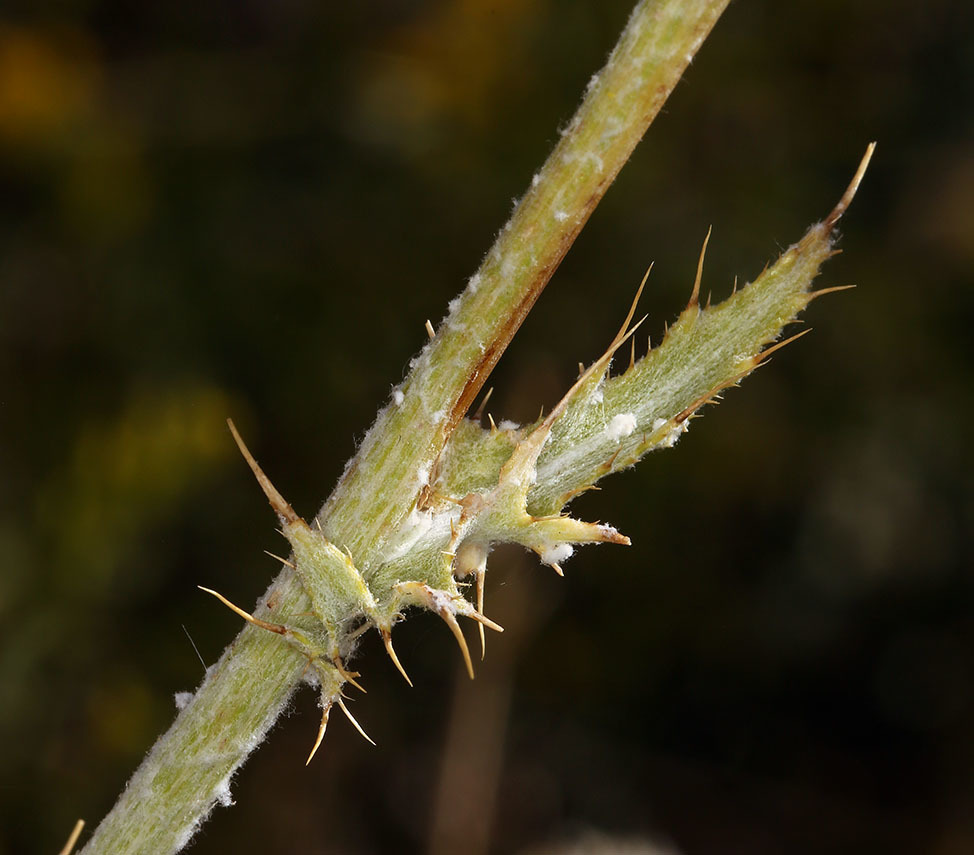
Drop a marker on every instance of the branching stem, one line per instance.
(189, 769)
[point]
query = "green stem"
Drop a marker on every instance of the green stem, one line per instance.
(657, 44)
(188, 770)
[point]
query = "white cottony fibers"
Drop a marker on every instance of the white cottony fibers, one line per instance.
(182, 699)
(507, 424)
(186, 834)
(398, 397)
(420, 526)
(222, 793)
(438, 416)
(557, 553)
(442, 601)
(561, 216)
(595, 160)
(471, 558)
(525, 477)
(671, 438)
(423, 476)
(620, 426)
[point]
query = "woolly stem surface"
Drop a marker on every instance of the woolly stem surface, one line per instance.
(188, 771)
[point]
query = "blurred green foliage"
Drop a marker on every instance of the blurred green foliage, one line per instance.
(251, 208)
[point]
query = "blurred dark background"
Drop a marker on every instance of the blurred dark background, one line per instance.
(250, 208)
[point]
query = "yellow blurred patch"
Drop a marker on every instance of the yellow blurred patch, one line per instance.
(129, 473)
(47, 80)
(455, 62)
(120, 717)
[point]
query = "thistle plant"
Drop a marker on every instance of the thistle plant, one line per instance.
(431, 491)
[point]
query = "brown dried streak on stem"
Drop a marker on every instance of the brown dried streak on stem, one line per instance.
(504, 334)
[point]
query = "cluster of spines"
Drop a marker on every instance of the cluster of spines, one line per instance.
(341, 596)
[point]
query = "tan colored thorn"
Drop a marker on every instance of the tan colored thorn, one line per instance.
(351, 718)
(482, 619)
(577, 491)
(493, 427)
(632, 353)
(581, 368)
(623, 334)
(755, 362)
(442, 603)
(814, 295)
(709, 397)
(283, 561)
(480, 410)
(529, 449)
(451, 622)
(850, 192)
(387, 641)
(73, 838)
(278, 503)
(610, 535)
(325, 710)
(479, 579)
(695, 294)
(429, 330)
(347, 676)
(263, 624)
(764, 354)
(361, 629)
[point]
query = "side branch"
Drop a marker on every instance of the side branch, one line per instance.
(402, 448)
(188, 770)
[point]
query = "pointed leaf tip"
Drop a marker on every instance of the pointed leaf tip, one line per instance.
(391, 651)
(451, 622)
(281, 507)
(351, 718)
(850, 192)
(325, 710)
(695, 294)
(263, 624)
(73, 839)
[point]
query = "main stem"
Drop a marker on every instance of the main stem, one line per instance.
(189, 769)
